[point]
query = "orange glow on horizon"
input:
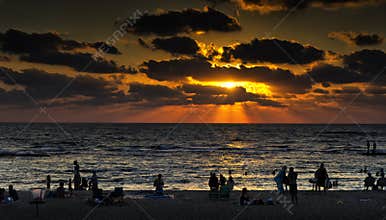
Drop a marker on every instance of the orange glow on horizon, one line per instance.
(252, 87)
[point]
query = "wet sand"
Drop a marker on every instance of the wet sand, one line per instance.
(197, 205)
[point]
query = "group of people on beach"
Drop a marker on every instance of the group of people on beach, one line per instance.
(374, 150)
(284, 180)
(219, 187)
(222, 185)
(8, 197)
(288, 180)
(371, 183)
(80, 183)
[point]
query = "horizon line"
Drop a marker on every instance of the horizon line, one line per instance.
(245, 123)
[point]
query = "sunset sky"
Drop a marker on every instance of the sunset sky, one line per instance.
(238, 61)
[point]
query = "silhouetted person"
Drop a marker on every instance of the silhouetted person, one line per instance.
(12, 193)
(94, 181)
(369, 181)
(2, 195)
(159, 185)
(213, 182)
(368, 147)
(363, 170)
(76, 167)
(223, 180)
(321, 176)
(48, 181)
(84, 184)
(244, 198)
(77, 181)
(70, 185)
(381, 181)
(230, 183)
(60, 191)
(374, 147)
(293, 186)
(279, 178)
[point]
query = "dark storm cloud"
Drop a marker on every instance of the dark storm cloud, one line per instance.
(365, 66)
(153, 92)
(364, 101)
(358, 39)
(325, 73)
(265, 6)
(158, 95)
(273, 51)
(369, 63)
(186, 21)
(201, 69)
(177, 45)
(15, 41)
(49, 48)
(87, 90)
(105, 47)
(84, 62)
(223, 96)
(44, 86)
(18, 42)
(204, 90)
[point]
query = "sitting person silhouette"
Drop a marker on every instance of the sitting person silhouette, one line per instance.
(159, 184)
(381, 182)
(369, 181)
(244, 198)
(60, 191)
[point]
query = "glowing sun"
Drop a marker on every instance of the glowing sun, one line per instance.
(228, 85)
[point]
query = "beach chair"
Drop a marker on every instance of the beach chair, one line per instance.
(37, 198)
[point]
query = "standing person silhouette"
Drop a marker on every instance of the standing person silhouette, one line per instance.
(213, 182)
(159, 185)
(279, 178)
(77, 181)
(76, 167)
(48, 182)
(292, 182)
(368, 147)
(374, 147)
(321, 176)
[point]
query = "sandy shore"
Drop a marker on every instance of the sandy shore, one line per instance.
(197, 205)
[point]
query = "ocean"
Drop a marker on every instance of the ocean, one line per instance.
(130, 155)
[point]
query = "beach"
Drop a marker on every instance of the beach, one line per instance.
(197, 205)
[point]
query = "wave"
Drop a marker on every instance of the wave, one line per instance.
(22, 154)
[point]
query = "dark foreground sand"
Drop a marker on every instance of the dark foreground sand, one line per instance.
(196, 205)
